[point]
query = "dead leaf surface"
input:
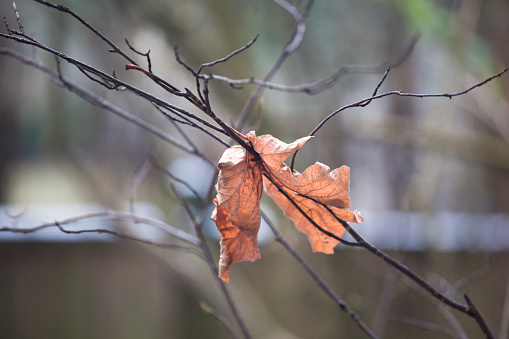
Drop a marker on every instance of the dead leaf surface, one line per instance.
(237, 212)
(273, 151)
(319, 241)
(239, 186)
(237, 243)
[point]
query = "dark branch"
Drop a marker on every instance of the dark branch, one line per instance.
(96, 100)
(362, 103)
(87, 25)
(319, 281)
(146, 55)
(478, 317)
(229, 56)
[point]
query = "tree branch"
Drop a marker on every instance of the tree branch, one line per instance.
(112, 215)
(98, 101)
(364, 102)
(292, 43)
(319, 281)
(209, 259)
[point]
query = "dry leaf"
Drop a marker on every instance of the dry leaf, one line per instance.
(237, 212)
(319, 241)
(273, 151)
(319, 182)
(236, 244)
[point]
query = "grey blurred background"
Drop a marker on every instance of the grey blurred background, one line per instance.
(430, 175)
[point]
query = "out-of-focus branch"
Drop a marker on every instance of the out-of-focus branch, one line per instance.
(96, 100)
(111, 82)
(292, 43)
(327, 82)
(207, 309)
(209, 259)
(427, 326)
(112, 215)
(468, 309)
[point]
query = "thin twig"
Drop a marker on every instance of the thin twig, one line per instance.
(146, 55)
(126, 236)
(96, 100)
(319, 281)
(474, 276)
(186, 121)
(196, 222)
(478, 317)
(377, 87)
(292, 163)
(64, 9)
(229, 56)
(174, 178)
(113, 215)
(206, 308)
(107, 79)
(325, 83)
(362, 102)
(138, 177)
(423, 325)
(18, 18)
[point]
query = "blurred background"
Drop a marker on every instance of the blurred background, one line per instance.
(431, 175)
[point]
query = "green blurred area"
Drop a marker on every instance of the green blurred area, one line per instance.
(406, 154)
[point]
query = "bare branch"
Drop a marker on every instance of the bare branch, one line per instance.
(126, 236)
(362, 102)
(90, 27)
(174, 178)
(360, 241)
(107, 79)
(319, 281)
(98, 101)
(361, 105)
(18, 18)
(196, 222)
(146, 55)
(478, 317)
(292, 43)
(474, 276)
(137, 178)
(112, 215)
(229, 56)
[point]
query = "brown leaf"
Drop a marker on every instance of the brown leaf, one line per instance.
(237, 213)
(320, 242)
(236, 244)
(319, 182)
(273, 151)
